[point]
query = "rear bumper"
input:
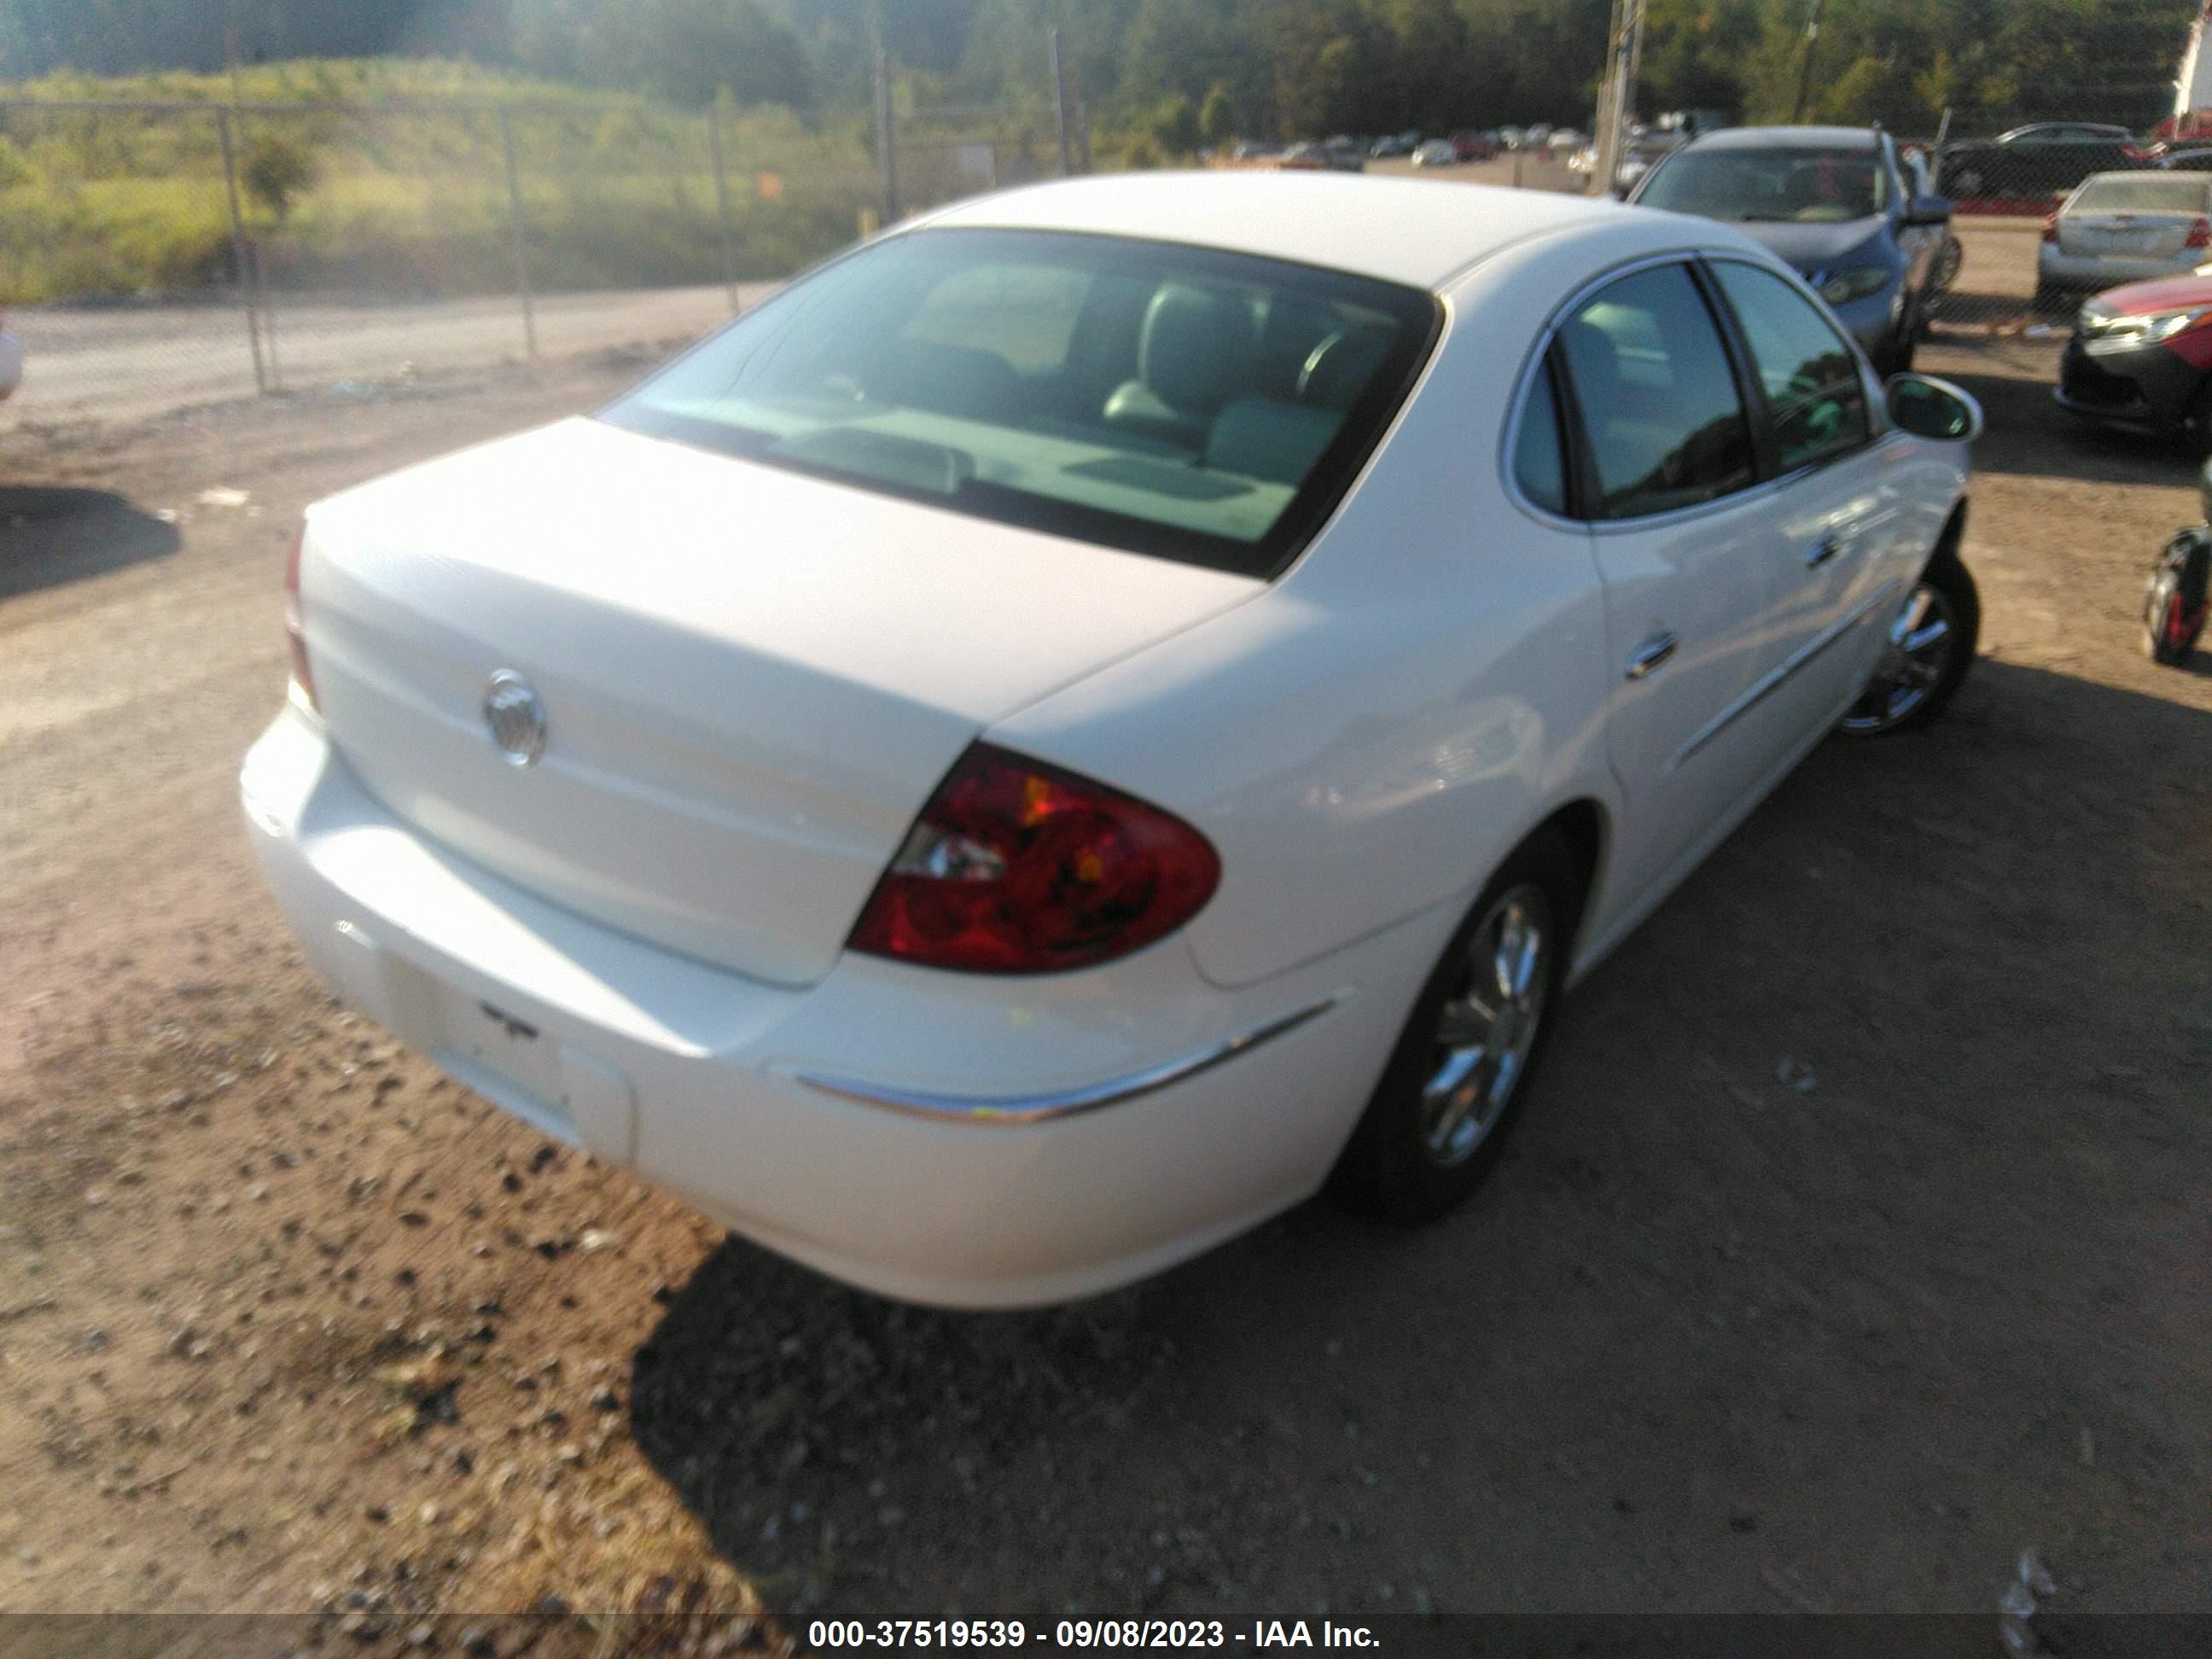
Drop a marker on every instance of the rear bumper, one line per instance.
(940, 1138)
(2097, 271)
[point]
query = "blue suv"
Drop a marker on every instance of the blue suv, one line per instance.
(1832, 202)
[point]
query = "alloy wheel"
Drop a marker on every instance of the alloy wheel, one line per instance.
(1487, 1026)
(1921, 641)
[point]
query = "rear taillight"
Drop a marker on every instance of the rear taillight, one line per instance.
(296, 623)
(2200, 234)
(2051, 227)
(1018, 867)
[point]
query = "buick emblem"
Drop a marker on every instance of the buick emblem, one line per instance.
(515, 716)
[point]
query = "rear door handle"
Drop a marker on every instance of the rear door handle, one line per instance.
(1649, 655)
(1822, 551)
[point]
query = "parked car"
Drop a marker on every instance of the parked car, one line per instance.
(990, 817)
(2122, 227)
(2038, 160)
(1345, 154)
(11, 361)
(1832, 203)
(1303, 154)
(1437, 153)
(1394, 144)
(2141, 359)
(1470, 146)
(2196, 158)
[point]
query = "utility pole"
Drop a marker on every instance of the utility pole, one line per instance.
(1616, 102)
(1059, 102)
(886, 139)
(1805, 69)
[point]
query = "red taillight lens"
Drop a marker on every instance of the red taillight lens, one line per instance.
(296, 635)
(2051, 227)
(1018, 867)
(2200, 234)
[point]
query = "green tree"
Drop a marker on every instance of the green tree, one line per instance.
(1217, 116)
(276, 169)
(1175, 126)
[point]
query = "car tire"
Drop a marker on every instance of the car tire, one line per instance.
(1948, 263)
(1914, 684)
(2197, 425)
(2049, 298)
(1438, 1121)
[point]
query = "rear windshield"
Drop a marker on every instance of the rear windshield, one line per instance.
(1749, 186)
(1181, 402)
(2142, 193)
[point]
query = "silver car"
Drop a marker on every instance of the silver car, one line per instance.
(2125, 228)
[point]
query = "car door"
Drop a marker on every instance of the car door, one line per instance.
(1838, 529)
(1665, 465)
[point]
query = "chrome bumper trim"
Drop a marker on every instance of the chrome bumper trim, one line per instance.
(1063, 1103)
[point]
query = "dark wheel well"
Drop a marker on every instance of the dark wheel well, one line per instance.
(1579, 827)
(1954, 533)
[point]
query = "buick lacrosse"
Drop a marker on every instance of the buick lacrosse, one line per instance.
(1105, 710)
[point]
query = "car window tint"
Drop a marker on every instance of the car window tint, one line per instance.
(1815, 393)
(1188, 403)
(1538, 461)
(1659, 405)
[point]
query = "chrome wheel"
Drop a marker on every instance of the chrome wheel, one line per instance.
(1921, 641)
(1487, 1026)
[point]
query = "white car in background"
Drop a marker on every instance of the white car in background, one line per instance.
(11, 361)
(1104, 709)
(2118, 227)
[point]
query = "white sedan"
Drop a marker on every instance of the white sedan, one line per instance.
(1104, 710)
(2118, 227)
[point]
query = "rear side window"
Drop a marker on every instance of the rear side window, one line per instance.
(1814, 395)
(1184, 402)
(1665, 426)
(1539, 465)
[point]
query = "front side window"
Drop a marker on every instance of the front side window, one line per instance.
(1181, 402)
(1786, 185)
(1664, 423)
(1814, 395)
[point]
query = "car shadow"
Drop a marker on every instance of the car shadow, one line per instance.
(1753, 1315)
(51, 534)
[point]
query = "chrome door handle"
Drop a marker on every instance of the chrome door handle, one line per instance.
(1827, 548)
(1649, 654)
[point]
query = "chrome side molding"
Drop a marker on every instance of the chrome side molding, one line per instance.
(1055, 1104)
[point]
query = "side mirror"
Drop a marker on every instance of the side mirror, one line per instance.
(1928, 211)
(1929, 408)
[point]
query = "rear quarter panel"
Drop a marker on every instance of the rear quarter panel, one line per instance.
(1368, 739)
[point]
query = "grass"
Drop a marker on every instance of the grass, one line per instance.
(614, 192)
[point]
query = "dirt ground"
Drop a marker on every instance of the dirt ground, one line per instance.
(287, 1322)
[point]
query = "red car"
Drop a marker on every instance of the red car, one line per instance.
(1473, 146)
(2141, 358)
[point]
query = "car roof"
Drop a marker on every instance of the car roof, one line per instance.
(2067, 126)
(1417, 232)
(1788, 138)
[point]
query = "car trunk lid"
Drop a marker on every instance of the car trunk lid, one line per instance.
(749, 679)
(2125, 235)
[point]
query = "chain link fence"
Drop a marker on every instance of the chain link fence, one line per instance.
(160, 256)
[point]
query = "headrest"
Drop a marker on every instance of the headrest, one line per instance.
(1195, 351)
